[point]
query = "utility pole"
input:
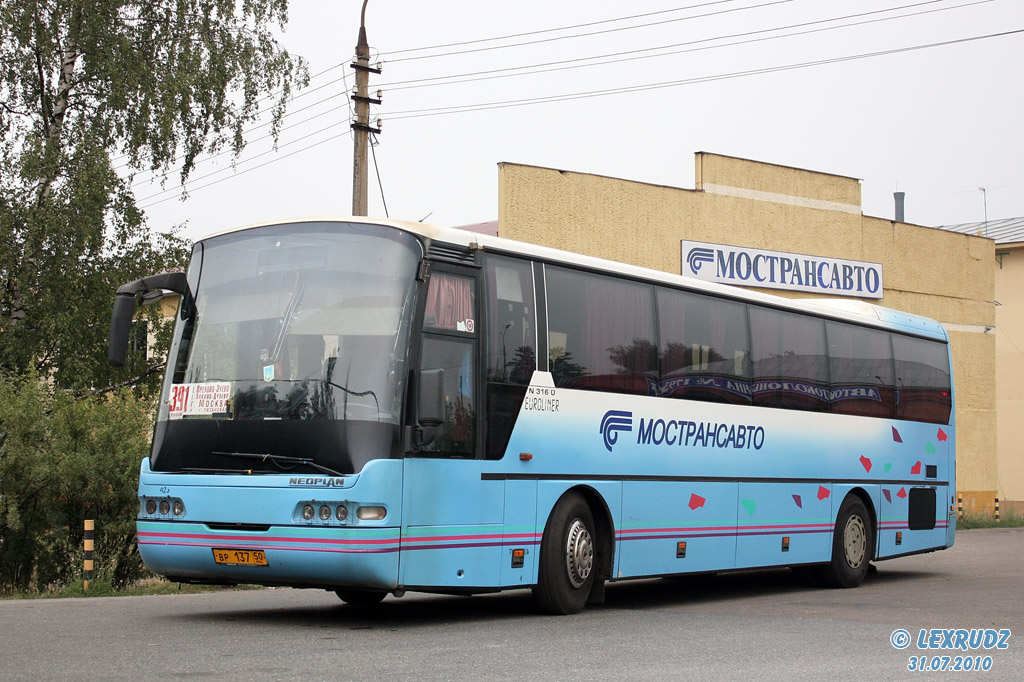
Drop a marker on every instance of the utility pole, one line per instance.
(361, 124)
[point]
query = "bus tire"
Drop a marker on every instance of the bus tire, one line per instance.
(361, 597)
(851, 546)
(566, 566)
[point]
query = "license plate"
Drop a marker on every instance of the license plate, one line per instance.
(240, 557)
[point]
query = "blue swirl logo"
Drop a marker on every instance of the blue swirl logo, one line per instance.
(613, 422)
(698, 257)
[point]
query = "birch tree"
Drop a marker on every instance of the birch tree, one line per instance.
(90, 94)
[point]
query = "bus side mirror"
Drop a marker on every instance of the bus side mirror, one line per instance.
(430, 402)
(120, 326)
(152, 289)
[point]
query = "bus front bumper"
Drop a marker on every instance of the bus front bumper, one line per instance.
(330, 558)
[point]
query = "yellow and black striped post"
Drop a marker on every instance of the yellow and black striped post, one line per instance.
(959, 507)
(997, 510)
(88, 542)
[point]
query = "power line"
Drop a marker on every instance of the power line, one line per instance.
(373, 145)
(419, 113)
(247, 170)
(624, 56)
(553, 30)
(344, 80)
(255, 156)
(591, 33)
(438, 111)
(272, 95)
(268, 136)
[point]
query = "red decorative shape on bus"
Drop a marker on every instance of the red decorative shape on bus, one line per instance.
(902, 493)
(696, 501)
(896, 435)
(888, 495)
(942, 435)
(799, 502)
(823, 492)
(866, 463)
(916, 469)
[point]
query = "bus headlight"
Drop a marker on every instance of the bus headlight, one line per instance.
(308, 512)
(342, 512)
(325, 512)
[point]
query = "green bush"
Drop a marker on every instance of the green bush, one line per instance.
(64, 459)
(1007, 519)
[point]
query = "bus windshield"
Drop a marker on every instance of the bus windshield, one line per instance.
(298, 323)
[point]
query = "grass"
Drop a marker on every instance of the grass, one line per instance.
(1006, 520)
(102, 588)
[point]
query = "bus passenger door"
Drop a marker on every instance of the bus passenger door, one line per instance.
(452, 519)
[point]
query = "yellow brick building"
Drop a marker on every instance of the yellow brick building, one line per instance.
(940, 274)
(1008, 236)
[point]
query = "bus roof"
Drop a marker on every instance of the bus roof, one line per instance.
(852, 310)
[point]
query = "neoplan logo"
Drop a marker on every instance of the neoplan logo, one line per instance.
(612, 423)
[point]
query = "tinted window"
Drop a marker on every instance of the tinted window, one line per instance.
(511, 345)
(600, 332)
(704, 354)
(922, 380)
(455, 356)
(790, 368)
(449, 323)
(861, 370)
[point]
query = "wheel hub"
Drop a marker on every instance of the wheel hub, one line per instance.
(579, 553)
(855, 541)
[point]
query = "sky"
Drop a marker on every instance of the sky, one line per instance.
(779, 81)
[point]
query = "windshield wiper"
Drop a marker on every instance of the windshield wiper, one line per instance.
(280, 460)
(201, 470)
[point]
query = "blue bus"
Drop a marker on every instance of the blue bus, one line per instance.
(371, 407)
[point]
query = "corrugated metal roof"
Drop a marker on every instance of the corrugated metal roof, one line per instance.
(1005, 231)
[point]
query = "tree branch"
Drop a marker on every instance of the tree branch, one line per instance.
(135, 381)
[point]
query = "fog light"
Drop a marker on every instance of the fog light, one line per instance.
(342, 512)
(151, 506)
(178, 507)
(371, 513)
(165, 507)
(308, 512)
(325, 512)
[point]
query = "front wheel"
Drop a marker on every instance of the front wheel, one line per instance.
(852, 543)
(566, 570)
(361, 597)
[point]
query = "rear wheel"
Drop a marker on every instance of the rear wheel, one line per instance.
(566, 570)
(851, 546)
(361, 597)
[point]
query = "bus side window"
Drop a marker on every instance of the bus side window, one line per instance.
(511, 345)
(922, 380)
(450, 303)
(449, 327)
(455, 435)
(860, 370)
(704, 348)
(789, 360)
(601, 332)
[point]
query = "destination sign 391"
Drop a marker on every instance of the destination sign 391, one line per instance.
(778, 270)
